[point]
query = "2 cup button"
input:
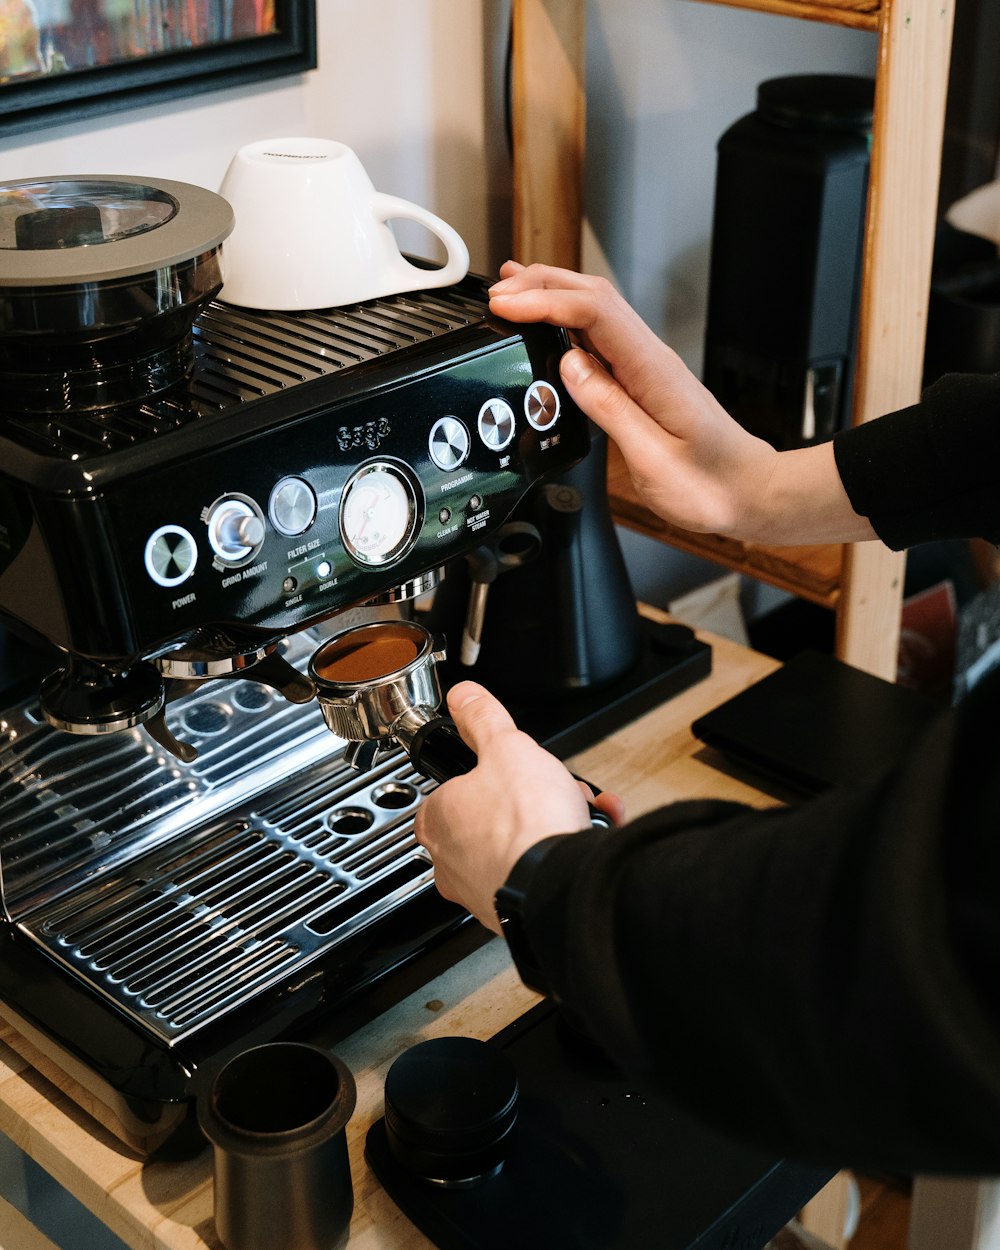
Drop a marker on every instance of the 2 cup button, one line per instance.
(541, 406)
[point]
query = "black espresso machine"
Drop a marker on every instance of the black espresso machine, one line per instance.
(192, 498)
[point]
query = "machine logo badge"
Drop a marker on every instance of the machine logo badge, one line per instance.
(369, 435)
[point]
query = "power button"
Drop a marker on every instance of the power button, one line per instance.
(170, 556)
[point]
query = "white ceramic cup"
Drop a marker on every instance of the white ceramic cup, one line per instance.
(312, 232)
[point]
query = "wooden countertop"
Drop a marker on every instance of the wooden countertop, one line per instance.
(168, 1206)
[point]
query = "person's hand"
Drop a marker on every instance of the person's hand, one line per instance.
(477, 826)
(691, 463)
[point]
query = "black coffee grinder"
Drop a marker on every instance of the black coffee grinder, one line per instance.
(544, 616)
(787, 240)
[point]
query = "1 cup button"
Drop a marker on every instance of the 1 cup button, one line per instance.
(496, 424)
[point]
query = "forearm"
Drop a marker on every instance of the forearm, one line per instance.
(929, 472)
(922, 473)
(804, 502)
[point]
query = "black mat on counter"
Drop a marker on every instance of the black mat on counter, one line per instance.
(817, 722)
(597, 1163)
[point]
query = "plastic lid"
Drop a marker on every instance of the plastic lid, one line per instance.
(837, 102)
(66, 213)
(85, 229)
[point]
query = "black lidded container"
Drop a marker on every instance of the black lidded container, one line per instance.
(787, 242)
(101, 278)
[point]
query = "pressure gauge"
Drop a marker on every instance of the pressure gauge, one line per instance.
(379, 513)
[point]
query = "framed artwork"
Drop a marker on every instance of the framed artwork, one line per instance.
(64, 60)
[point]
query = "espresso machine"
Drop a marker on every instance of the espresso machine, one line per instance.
(194, 498)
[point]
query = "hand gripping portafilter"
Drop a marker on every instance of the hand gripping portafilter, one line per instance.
(378, 688)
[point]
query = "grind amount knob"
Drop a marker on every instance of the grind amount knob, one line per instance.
(235, 529)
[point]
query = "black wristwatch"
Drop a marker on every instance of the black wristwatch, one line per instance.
(511, 905)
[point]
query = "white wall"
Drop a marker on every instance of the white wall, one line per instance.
(665, 79)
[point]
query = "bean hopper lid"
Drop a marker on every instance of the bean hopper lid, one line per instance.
(101, 278)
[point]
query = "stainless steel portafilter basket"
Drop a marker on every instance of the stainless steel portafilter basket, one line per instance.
(378, 688)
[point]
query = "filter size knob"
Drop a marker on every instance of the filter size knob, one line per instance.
(292, 506)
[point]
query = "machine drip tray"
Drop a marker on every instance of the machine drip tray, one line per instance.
(596, 1162)
(672, 659)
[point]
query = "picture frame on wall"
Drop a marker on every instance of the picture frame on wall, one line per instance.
(68, 60)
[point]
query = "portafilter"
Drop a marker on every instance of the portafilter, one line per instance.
(378, 688)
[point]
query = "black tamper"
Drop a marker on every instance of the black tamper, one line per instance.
(451, 1110)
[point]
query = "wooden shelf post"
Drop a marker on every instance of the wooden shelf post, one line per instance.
(910, 95)
(549, 125)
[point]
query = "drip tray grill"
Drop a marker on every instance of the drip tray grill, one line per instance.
(210, 918)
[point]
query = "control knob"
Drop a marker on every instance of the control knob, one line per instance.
(448, 443)
(496, 424)
(235, 529)
(292, 506)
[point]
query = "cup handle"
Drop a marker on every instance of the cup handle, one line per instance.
(456, 266)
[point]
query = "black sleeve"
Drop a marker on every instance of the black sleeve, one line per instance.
(931, 471)
(820, 980)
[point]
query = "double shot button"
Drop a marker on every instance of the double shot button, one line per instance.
(541, 406)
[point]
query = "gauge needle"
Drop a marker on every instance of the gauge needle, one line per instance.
(369, 511)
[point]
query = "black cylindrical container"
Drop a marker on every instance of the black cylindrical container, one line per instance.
(451, 1110)
(963, 315)
(276, 1116)
(787, 239)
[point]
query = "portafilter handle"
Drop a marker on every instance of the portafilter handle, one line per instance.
(438, 750)
(434, 745)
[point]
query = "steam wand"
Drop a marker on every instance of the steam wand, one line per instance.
(516, 543)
